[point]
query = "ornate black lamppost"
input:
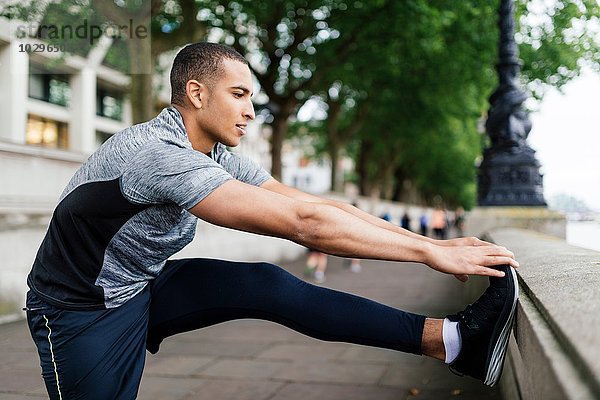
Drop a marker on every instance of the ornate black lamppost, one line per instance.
(509, 173)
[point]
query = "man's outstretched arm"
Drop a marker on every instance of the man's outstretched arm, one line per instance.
(327, 228)
(278, 187)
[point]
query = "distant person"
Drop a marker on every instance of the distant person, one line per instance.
(439, 223)
(316, 265)
(405, 221)
(459, 221)
(104, 291)
(355, 265)
(386, 216)
(423, 223)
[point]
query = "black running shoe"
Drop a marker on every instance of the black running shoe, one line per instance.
(485, 327)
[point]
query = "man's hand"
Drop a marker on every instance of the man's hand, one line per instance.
(463, 241)
(474, 259)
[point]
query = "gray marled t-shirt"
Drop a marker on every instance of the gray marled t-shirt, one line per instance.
(124, 213)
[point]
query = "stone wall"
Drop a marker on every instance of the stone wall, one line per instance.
(33, 178)
(555, 347)
(18, 247)
(539, 219)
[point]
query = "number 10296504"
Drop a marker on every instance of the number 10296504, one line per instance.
(40, 48)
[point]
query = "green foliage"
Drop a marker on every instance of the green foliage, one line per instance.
(425, 96)
(404, 83)
(426, 70)
(556, 39)
(172, 23)
(59, 22)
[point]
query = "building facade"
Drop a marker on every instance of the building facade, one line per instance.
(54, 113)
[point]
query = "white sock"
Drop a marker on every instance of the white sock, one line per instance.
(452, 340)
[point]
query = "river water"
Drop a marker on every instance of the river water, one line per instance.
(584, 234)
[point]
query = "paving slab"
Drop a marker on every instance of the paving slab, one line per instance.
(21, 382)
(213, 348)
(366, 355)
(154, 388)
(309, 352)
(428, 375)
(328, 371)
(244, 331)
(325, 391)
(21, 396)
(246, 369)
(177, 365)
(237, 390)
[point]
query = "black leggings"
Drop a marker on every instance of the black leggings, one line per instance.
(100, 354)
(195, 293)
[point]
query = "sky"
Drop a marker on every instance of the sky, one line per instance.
(566, 136)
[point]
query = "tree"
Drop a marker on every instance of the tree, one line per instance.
(436, 53)
(173, 23)
(444, 77)
(555, 40)
(291, 45)
(404, 83)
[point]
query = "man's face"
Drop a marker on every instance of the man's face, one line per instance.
(228, 107)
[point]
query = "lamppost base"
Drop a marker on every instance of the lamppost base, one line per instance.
(510, 177)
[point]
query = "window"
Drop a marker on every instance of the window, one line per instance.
(52, 88)
(102, 137)
(109, 103)
(46, 132)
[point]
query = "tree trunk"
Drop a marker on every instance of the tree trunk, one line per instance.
(334, 153)
(387, 181)
(333, 137)
(362, 168)
(142, 108)
(399, 178)
(141, 62)
(280, 127)
(140, 90)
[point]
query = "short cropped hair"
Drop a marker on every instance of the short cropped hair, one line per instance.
(200, 61)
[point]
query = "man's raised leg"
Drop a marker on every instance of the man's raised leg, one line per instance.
(196, 293)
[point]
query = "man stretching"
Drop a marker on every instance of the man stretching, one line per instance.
(103, 290)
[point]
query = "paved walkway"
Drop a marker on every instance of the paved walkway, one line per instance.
(257, 360)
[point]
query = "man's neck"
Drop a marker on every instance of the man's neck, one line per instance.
(199, 142)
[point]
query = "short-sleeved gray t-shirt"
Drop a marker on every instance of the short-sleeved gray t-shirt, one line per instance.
(124, 213)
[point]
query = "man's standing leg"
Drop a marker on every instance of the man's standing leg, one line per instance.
(90, 354)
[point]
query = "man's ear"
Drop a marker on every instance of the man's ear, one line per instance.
(196, 93)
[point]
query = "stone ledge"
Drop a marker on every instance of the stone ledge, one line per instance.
(560, 304)
(23, 150)
(539, 219)
(536, 366)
